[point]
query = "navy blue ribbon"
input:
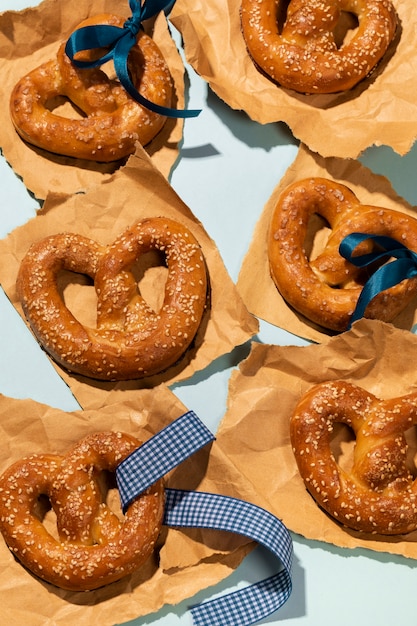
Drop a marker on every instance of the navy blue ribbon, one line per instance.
(193, 509)
(388, 275)
(119, 41)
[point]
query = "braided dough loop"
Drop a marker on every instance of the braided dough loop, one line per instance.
(94, 547)
(130, 340)
(305, 56)
(326, 289)
(378, 494)
(112, 123)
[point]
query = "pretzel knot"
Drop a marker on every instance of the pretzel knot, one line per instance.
(304, 52)
(112, 122)
(326, 288)
(92, 545)
(131, 340)
(378, 493)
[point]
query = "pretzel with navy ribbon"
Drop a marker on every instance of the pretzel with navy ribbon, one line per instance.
(117, 113)
(326, 288)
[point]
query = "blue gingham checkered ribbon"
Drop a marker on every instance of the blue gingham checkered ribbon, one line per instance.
(196, 509)
(193, 509)
(388, 275)
(119, 41)
(161, 453)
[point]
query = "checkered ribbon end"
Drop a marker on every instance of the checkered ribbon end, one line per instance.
(192, 509)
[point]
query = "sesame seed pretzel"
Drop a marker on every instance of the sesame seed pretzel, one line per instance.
(94, 545)
(304, 54)
(378, 494)
(325, 289)
(130, 340)
(112, 122)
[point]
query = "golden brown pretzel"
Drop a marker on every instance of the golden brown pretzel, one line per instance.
(95, 545)
(326, 289)
(304, 54)
(130, 339)
(378, 494)
(113, 123)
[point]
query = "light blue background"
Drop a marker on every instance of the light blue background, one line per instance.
(227, 170)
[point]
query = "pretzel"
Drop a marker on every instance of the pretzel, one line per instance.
(131, 340)
(326, 289)
(112, 123)
(93, 545)
(378, 494)
(304, 54)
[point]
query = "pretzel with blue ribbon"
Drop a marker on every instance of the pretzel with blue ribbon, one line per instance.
(118, 42)
(323, 286)
(195, 509)
(386, 276)
(116, 114)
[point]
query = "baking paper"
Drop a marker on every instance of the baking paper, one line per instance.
(185, 561)
(30, 37)
(254, 282)
(381, 110)
(263, 393)
(137, 191)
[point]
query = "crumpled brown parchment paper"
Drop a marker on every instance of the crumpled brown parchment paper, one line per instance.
(30, 37)
(138, 190)
(263, 392)
(186, 561)
(255, 284)
(381, 110)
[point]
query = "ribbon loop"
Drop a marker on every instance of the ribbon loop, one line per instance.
(160, 454)
(118, 42)
(141, 12)
(93, 38)
(388, 275)
(133, 22)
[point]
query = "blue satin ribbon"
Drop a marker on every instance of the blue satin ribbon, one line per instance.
(195, 509)
(404, 266)
(119, 42)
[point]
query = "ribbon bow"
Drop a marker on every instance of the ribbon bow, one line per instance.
(119, 42)
(386, 276)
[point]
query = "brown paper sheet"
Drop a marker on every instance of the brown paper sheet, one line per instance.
(137, 191)
(189, 560)
(30, 37)
(255, 284)
(254, 432)
(381, 110)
